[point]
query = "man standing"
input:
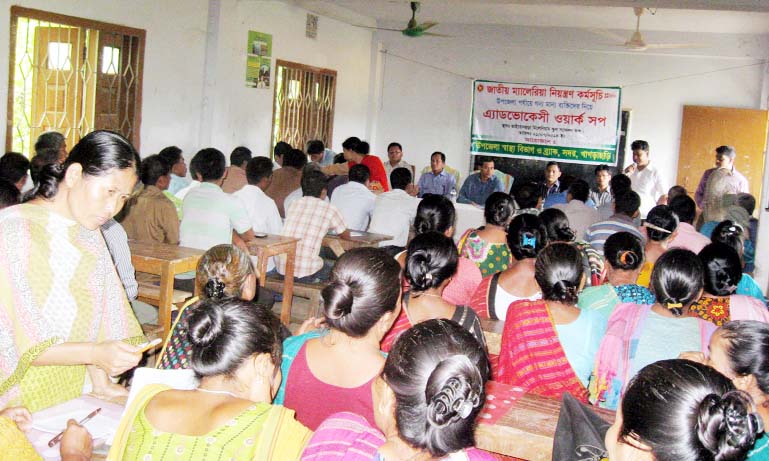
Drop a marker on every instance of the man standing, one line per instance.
(235, 177)
(601, 194)
(395, 159)
(580, 215)
(478, 186)
(645, 179)
(438, 181)
(725, 156)
(552, 175)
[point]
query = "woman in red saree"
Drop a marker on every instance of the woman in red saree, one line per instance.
(549, 345)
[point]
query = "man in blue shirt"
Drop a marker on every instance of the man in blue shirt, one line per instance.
(437, 181)
(478, 186)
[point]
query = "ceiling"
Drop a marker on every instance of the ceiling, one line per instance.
(693, 16)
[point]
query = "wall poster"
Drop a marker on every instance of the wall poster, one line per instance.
(258, 59)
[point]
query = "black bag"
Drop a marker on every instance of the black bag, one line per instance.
(579, 434)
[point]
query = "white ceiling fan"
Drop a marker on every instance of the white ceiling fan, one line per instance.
(636, 41)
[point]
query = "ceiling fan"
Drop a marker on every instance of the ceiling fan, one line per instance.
(413, 29)
(636, 41)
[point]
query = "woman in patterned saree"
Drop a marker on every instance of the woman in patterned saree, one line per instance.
(63, 310)
(487, 245)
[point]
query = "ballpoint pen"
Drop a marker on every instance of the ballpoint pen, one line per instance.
(58, 437)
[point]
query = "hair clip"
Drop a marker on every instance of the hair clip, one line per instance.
(675, 308)
(756, 423)
(429, 276)
(528, 240)
(657, 228)
(623, 256)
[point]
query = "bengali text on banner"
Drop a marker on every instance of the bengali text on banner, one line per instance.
(545, 122)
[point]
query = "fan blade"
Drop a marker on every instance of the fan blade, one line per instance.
(610, 35)
(433, 34)
(675, 45)
(376, 28)
(427, 25)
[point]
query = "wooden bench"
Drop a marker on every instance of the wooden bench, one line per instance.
(310, 291)
(149, 290)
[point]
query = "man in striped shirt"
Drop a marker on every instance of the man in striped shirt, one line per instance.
(625, 211)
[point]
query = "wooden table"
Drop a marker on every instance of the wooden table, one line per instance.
(527, 430)
(166, 261)
(273, 245)
(359, 239)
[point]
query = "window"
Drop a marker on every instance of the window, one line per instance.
(73, 76)
(303, 107)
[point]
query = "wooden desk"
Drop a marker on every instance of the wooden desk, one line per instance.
(273, 245)
(165, 261)
(492, 331)
(360, 239)
(527, 430)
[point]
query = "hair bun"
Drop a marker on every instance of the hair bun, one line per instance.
(205, 324)
(214, 288)
(567, 233)
(457, 396)
(628, 259)
(726, 426)
(338, 299)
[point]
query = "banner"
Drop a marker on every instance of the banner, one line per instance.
(258, 59)
(545, 122)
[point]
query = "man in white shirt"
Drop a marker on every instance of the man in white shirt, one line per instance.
(645, 179)
(261, 209)
(395, 159)
(354, 199)
(394, 211)
(580, 215)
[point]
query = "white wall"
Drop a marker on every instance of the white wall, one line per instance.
(171, 97)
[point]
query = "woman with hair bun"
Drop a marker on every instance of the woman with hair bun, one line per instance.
(332, 370)
(640, 334)
(661, 228)
(428, 399)
(548, 346)
(487, 245)
(719, 303)
(430, 265)
(436, 213)
(677, 410)
(526, 237)
(558, 230)
(732, 234)
(357, 152)
(236, 355)
(624, 253)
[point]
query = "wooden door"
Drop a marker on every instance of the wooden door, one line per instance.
(705, 128)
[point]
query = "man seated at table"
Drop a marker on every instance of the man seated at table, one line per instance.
(286, 179)
(394, 211)
(235, 177)
(150, 216)
(580, 215)
(395, 159)
(309, 219)
(478, 186)
(173, 156)
(437, 181)
(319, 154)
(280, 149)
(354, 200)
(261, 209)
(528, 199)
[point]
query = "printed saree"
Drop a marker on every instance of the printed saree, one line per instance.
(57, 284)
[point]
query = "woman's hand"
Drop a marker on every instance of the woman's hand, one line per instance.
(698, 357)
(19, 415)
(312, 323)
(115, 357)
(77, 443)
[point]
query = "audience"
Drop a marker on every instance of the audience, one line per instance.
(687, 236)
(43, 157)
(235, 175)
(287, 178)
(52, 140)
(581, 216)
(309, 219)
(431, 392)
(357, 152)
(354, 200)
(487, 245)
(13, 168)
(333, 370)
(623, 220)
(394, 211)
(558, 230)
(437, 181)
(549, 345)
(478, 187)
(661, 227)
(319, 154)
(528, 199)
(646, 180)
(601, 194)
(173, 156)
(733, 236)
(278, 153)
(395, 159)
(150, 216)
(67, 319)
(526, 237)
(618, 185)
(430, 264)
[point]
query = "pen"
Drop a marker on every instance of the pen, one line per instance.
(58, 437)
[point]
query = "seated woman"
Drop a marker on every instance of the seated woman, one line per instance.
(729, 233)
(325, 372)
(639, 334)
(436, 213)
(430, 394)
(64, 312)
(677, 409)
(548, 346)
(624, 253)
(487, 245)
(719, 304)
(526, 237)
(661, 227)
(740, 351)
(558, 230)
(431, 262)
(236, 354)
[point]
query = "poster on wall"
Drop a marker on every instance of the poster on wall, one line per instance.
(258, 59)
(545, 122)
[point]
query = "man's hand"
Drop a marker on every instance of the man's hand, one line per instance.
(412, 190)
